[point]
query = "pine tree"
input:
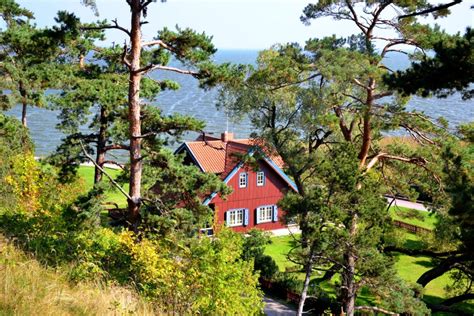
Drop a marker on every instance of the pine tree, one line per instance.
(192, 49)
(330, 99)
(30, 57)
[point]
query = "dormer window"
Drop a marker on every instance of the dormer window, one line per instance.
(260, 178)
(243, 180)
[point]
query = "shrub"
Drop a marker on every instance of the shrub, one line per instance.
(266, 265)
(287, 282)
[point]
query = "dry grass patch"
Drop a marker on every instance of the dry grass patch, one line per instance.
(27, 288)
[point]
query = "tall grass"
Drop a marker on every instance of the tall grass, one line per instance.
(27, 288)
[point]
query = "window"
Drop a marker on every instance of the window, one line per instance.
(235, 217)
(260, 178)
(243, 180)
(265, 214)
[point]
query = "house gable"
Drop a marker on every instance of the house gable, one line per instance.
(240, 166)
(252, 199)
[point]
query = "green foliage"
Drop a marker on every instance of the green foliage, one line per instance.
(266, 266)
(14, 143)
(253, 247)
(448, 71)
(32, 58)
(175, 194)
(288, 281)
(199, 275)
(254, 244)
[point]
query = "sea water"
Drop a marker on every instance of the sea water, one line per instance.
(201, 104)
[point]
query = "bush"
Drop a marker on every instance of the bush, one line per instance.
(287, 282)
(266, 265)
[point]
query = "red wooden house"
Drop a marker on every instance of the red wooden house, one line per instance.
(257, 188)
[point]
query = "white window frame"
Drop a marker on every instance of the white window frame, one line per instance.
(265, 214)
(243, 180)
(233, 216)
(260, 179)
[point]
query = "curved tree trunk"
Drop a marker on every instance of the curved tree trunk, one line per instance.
(443, 267)
(458, 299)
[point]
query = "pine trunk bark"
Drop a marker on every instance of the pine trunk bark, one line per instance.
(367, 129)
(304, 293)
(101, 143)
(23, 114)
(134, 109)
(349, 288)
(24, 104)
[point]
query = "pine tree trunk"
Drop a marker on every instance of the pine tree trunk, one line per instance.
(348, 273)
(101, 143)
(134, 117)
(24, 103)
(304, 293)
(23, 114)
(367, 129)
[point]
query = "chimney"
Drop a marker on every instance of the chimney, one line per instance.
(226, 136)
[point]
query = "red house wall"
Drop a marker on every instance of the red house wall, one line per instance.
(252, 197)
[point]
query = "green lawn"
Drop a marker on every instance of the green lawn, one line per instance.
(87, 174)
(423, 219)
(410, 268)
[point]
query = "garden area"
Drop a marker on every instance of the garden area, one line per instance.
(408, 267)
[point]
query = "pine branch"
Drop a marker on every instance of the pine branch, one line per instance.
(124, 56)
(113, 162)
(105, 27)
(430, 10)
(116, 146)
(360, 84)
(295, 82)
(157, 43)
(414, 160)
(92, 160)
(152, 67)
(421, 252)
(458, 299)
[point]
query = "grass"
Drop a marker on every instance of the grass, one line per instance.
(27, 288)
(279, 249)
(423, 219)
(409, 268)
(87, 174)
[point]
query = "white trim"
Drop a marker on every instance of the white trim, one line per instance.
(264, 208)
(262, 173)
(246, 180)
(232, 211)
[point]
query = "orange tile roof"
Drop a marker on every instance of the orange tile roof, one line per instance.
(209, 154)
(215, 156)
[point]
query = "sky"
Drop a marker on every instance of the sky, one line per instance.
(234, 24)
